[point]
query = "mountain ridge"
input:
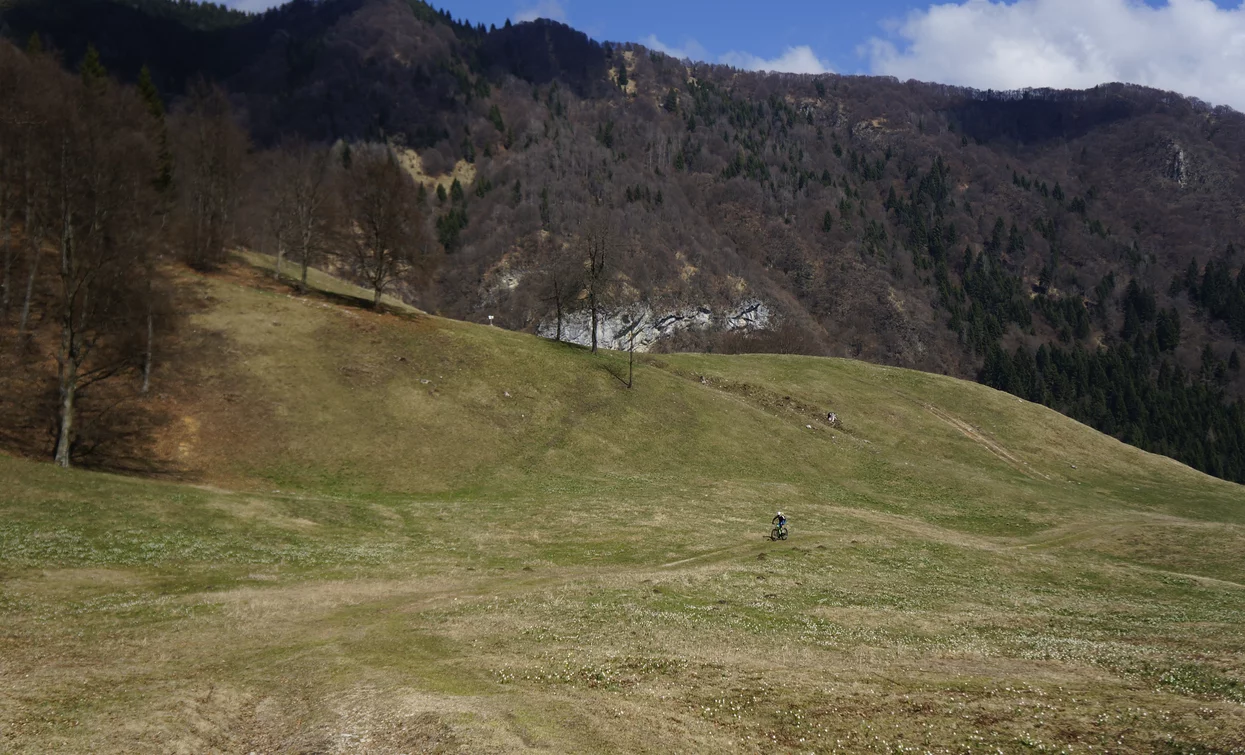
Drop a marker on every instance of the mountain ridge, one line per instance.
(912, 224)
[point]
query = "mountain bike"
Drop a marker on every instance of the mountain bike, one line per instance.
(779, 533)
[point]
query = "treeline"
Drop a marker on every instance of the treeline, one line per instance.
(194, 14)
(102, 195)
(1135, 390)
(1215, 291)
(80, 208)
(1145, 400)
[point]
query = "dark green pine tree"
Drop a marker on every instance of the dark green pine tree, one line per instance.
(92, 70)
(456, 192)
(1210, 363)
(827, 222)
(672, 101)
(1192, 275)
(151, 96)
(155, 106)
(494, 116)
(441, 195)
(622, 75)
(995, 245)
(1015, 241)
(34, 45)
(1167, 332)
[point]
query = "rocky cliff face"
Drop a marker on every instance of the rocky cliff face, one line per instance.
(649, 325)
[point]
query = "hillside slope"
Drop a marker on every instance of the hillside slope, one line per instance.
(319, 382)
(408, 533)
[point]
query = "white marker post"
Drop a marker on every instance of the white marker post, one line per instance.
(490, 319)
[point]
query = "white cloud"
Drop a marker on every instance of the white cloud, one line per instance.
(690, 49)
(550, 9)
(800, 59)
(1189, 46)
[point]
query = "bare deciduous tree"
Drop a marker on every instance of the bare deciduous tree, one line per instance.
(303, 194)
(100, 176)
(384, 215)
(162, 182)
(12, 69)
(210, 152)
(27, 114)
(561, 282)
(598, 239)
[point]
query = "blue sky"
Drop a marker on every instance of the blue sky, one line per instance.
(832, 29)
(1196, 47)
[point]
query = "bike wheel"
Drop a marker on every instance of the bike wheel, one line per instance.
(782, 533)
(776, 534)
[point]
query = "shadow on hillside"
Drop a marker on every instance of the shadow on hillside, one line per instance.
(355, 302)
(1036, 118)
(117, 426)
(255, 269)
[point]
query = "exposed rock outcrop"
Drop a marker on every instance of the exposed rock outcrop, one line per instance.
(615, 328)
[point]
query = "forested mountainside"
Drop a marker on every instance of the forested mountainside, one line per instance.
(1080, 249)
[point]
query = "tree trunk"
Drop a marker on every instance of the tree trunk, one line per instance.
(8, 264)
(67, 360)
(558, 306)
(151, 332)
(7, 236)
(68, 385)
(32, 236)
(631, 360)
(302, 282)
(280, 256)
(305, 260)
(30, 290)
(376, 300)
(592, 305)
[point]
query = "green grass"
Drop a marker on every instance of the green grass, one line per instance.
(399, 533)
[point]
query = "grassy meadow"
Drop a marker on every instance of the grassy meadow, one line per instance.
(392, 533)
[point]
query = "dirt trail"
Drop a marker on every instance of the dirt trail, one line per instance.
(1081, 531)
(749, 545)
(990, 445)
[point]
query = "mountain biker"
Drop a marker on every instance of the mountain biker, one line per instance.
(780, 521)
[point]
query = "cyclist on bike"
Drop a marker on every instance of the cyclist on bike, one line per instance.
(780, 521)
